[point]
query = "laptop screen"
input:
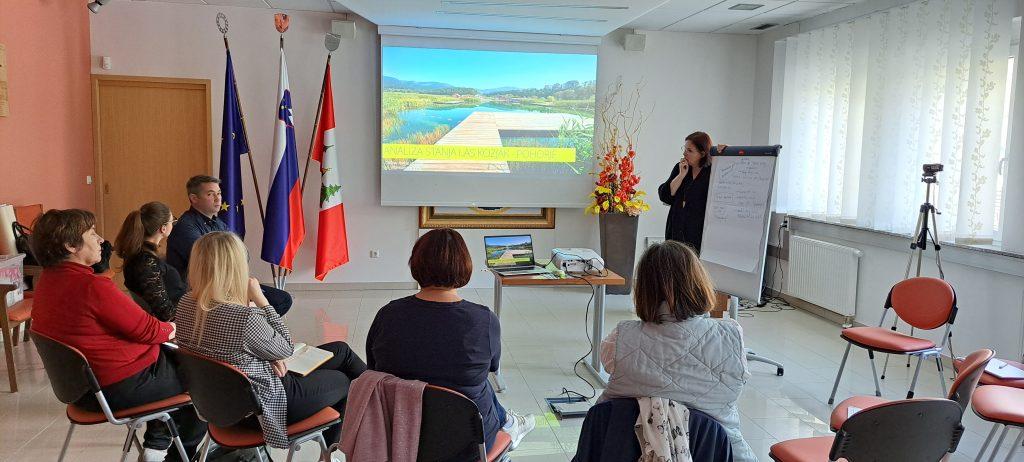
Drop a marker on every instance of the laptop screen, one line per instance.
(509, 251)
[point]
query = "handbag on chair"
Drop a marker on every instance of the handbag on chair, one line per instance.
(23, 242)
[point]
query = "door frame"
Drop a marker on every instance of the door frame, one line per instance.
(138, 81)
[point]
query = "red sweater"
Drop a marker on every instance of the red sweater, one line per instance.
(90, 313)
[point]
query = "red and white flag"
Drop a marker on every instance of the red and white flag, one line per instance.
(332, 239)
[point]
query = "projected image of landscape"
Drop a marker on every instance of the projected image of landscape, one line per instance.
(496, 112)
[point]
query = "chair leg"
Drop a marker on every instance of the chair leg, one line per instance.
(28, 327)
(259, 454)
(128, 441)
(874, 373)
(12, 374)
(913, 383)
(984, 446)
(175, 436)
(832, 397)
(291, 451)
(67, 441)
(325, 453)
(15, 335)
(204, 447)
(1015, 446)
(999, 442)
(942, 374)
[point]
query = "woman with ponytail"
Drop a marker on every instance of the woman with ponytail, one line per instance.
(146, 275)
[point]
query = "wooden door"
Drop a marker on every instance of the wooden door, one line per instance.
(151, 135)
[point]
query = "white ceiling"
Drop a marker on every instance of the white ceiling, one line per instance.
(566, 17)
(715, 15)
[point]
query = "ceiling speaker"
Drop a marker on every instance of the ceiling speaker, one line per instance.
(344, 29)
(635, 42)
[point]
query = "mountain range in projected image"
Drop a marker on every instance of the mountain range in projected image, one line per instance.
(500, 112)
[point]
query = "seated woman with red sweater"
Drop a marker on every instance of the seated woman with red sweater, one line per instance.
(119, 339)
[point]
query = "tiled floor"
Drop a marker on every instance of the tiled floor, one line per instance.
(544, 332)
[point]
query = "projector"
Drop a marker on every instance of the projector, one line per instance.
(575, 260)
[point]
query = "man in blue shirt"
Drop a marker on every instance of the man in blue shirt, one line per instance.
(201, 218)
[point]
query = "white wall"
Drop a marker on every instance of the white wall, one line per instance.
(693, 81)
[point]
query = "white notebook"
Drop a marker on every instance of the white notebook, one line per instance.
(1003, 370)
(306, 359)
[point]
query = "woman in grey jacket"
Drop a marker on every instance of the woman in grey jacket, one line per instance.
(674, 351)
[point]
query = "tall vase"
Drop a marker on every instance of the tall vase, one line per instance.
(618, 247)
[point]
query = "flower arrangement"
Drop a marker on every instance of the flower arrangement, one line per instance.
(615, 190)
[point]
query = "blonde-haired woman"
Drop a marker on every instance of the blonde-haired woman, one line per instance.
(687, 357)
(226, 317)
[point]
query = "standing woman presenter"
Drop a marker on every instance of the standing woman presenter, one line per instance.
(686, 191)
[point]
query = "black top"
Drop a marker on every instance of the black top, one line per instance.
(191, 226)
(452, 345)
(686, 222)
(156, 282)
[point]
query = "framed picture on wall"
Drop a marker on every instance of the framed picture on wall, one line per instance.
(487, 217)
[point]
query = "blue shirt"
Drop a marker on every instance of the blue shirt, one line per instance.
(452, 345)
(191, 226)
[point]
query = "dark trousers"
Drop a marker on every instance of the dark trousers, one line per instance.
(279, 299)
(326, 386)
(154, 383)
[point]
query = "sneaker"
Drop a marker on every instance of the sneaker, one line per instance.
(517, 426)
(152, 455)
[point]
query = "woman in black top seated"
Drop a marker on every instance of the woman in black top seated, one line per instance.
(439, 338)
(147, 275)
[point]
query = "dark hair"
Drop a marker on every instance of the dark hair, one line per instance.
(440, 259)
(701, 141)
(138, 226)
(55, 230)
(195, 183)
(671, 272)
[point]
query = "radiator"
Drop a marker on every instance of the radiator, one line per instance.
(824, 274)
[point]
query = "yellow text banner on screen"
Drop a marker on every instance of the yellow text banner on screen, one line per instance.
(484, 153)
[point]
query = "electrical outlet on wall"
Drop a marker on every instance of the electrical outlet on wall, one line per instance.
(375, 253)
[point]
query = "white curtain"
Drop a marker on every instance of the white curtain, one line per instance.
(867, 102)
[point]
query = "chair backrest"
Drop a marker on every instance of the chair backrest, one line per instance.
(925, 303)
(451, 428)
(908, 431)
(26, 215)
(971, 370)
(221, 393)
(70, 375)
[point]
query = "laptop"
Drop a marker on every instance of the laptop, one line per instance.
(512, 255)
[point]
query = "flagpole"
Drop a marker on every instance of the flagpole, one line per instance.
(252, 165)
(316, 123)
(283, 273)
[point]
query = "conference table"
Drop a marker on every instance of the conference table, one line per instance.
(599, 282)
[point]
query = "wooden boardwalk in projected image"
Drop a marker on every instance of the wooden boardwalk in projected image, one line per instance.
(484, 129)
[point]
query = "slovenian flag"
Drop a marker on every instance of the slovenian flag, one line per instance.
(232, 148)
(332, 240)
(283, 229)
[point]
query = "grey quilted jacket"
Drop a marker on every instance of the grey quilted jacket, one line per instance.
(699, 362)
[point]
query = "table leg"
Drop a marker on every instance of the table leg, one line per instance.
(594, 366)
(499, 383)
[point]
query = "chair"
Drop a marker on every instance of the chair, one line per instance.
(925, 304)
(963, 387)
(911, 430)
(989, 379)
(11, 318)
(26, 215)
(1003, 406)
(71, 378)
(225, 399)
(451, 429)
(608, 434)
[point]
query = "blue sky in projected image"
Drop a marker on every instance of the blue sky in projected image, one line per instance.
(486, 69)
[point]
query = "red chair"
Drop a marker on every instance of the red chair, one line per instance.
(71, 379)
(1003, 406)
(961, 391)
(451, 429)
(925, 304)
(224, 397)
(989, 379)
(11, 319)
(913, 430)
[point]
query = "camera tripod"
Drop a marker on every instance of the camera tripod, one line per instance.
(923, 234)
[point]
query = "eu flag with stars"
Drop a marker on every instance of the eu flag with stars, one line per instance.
(232, 148)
